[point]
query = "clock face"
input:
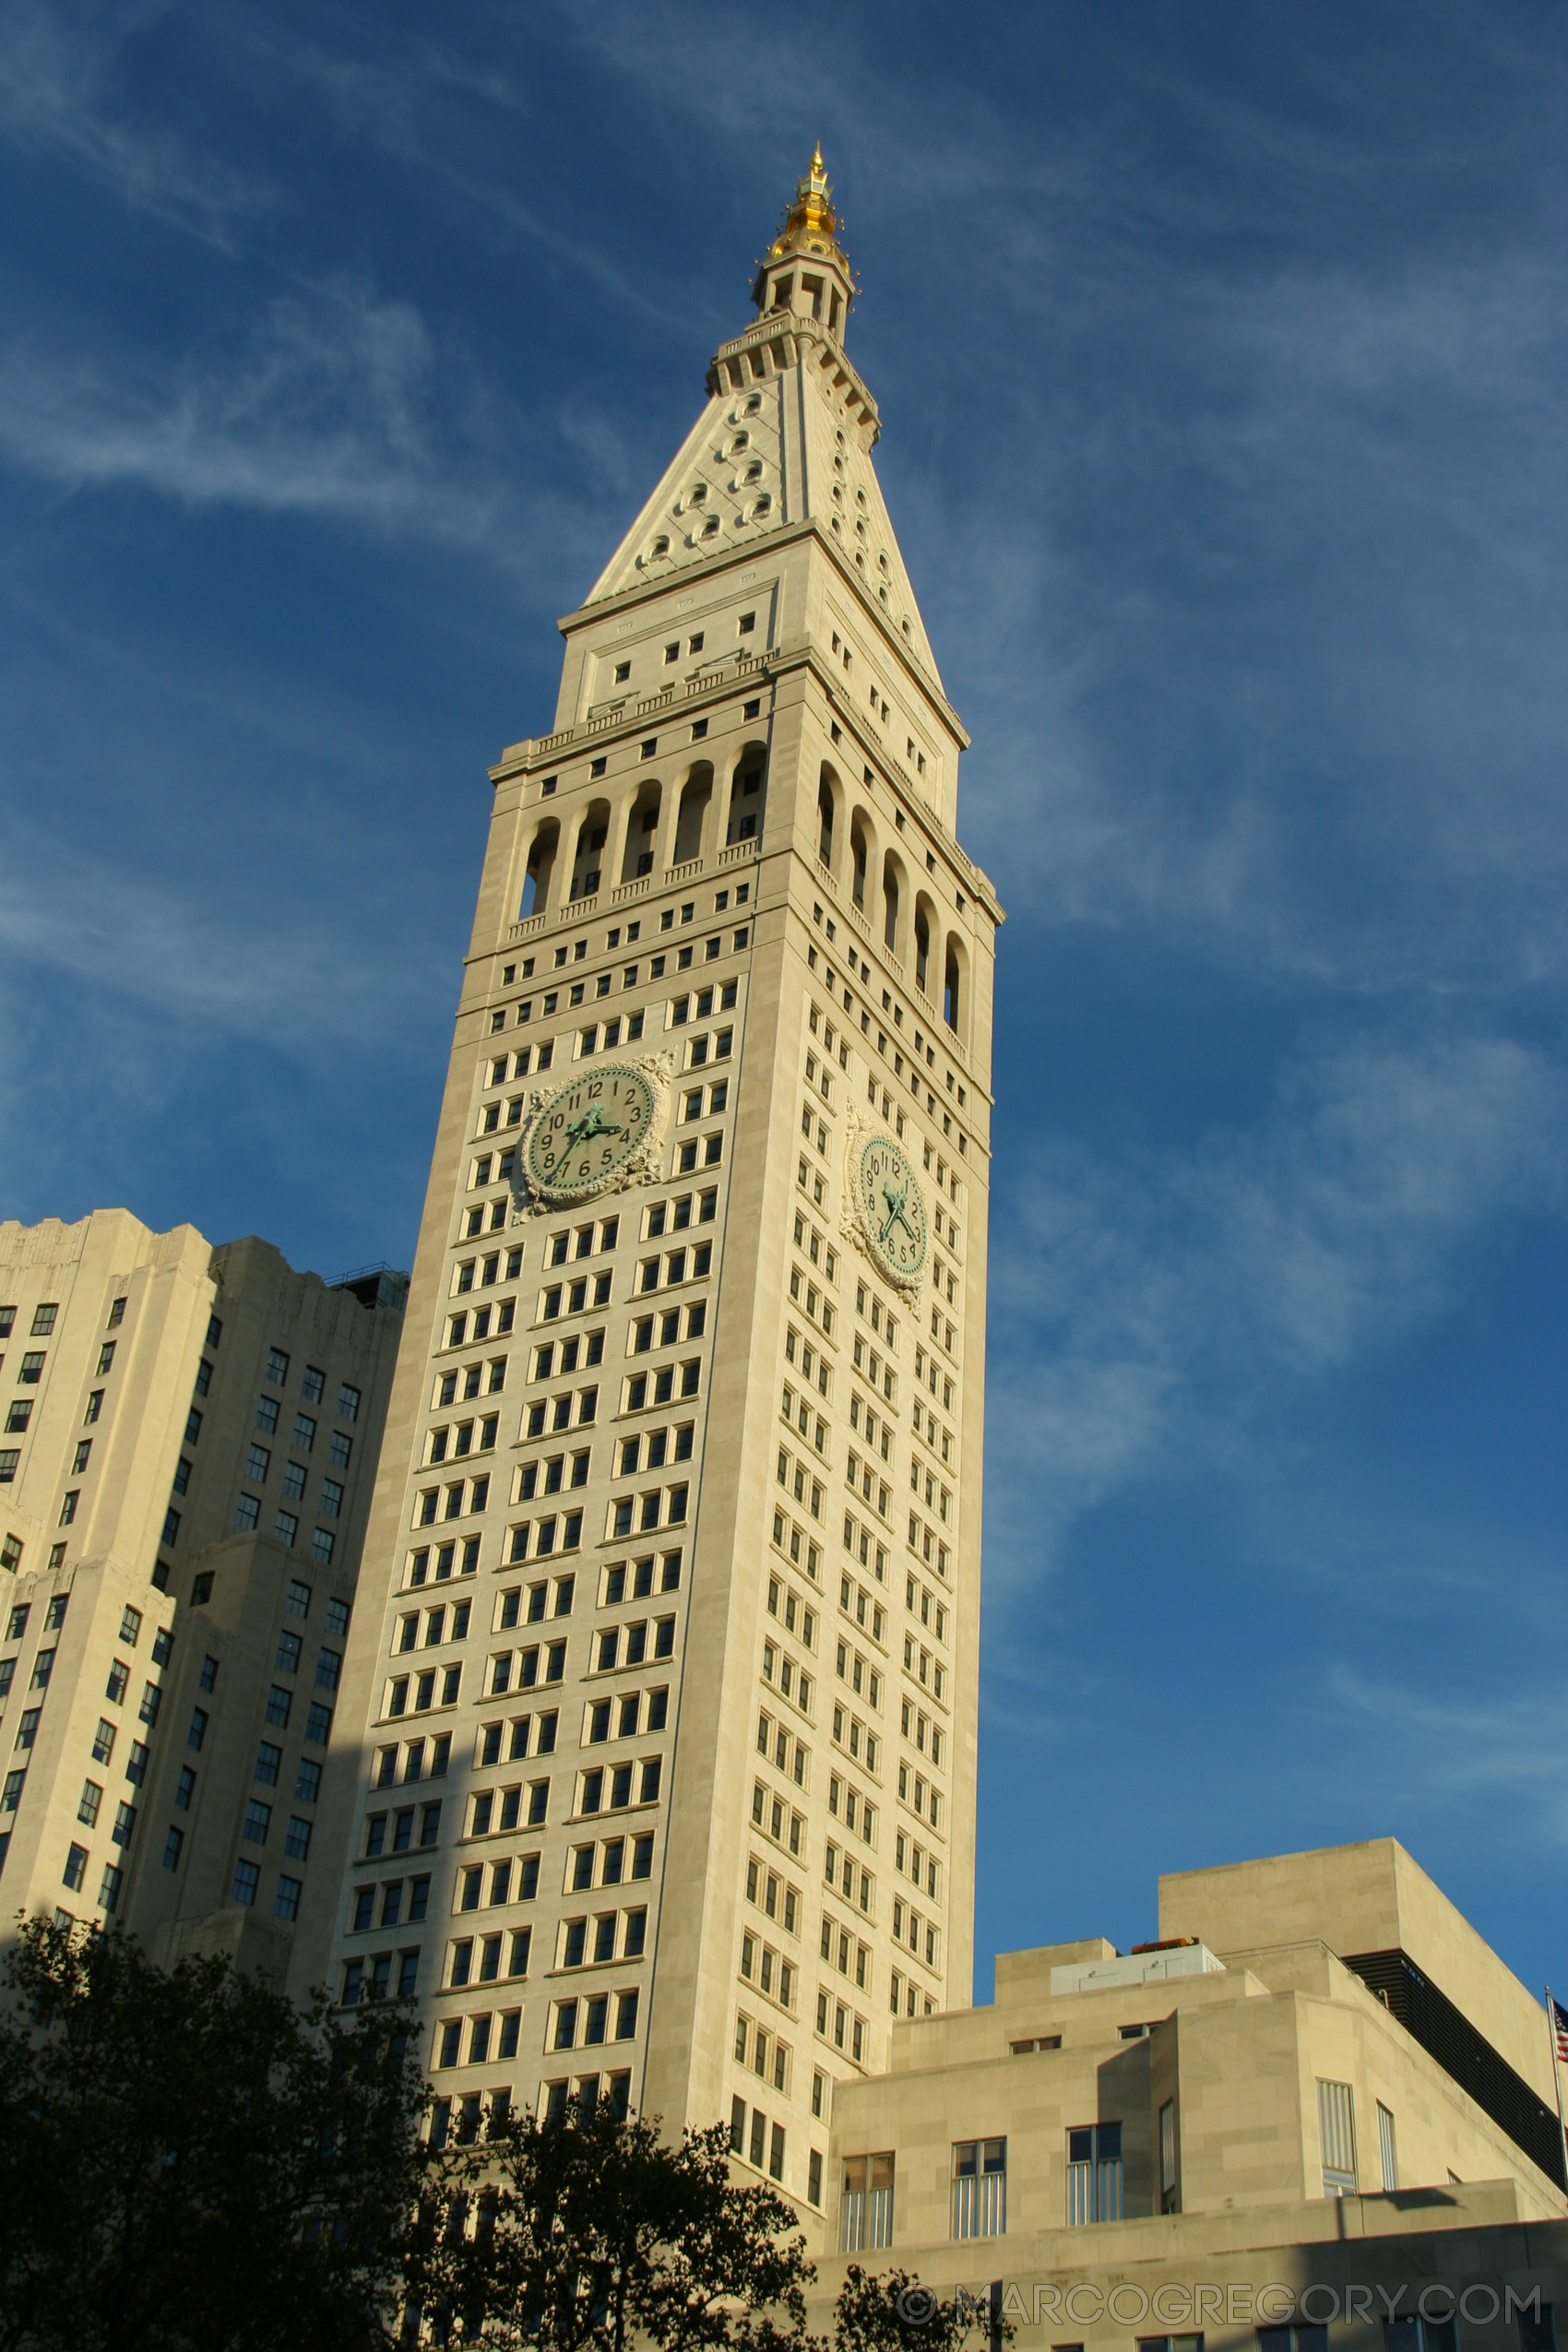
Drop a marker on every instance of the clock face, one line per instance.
(586, 1132)
(892, 1212)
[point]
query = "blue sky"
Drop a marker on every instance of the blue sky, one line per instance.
(1220, 354)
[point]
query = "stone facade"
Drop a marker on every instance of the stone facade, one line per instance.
(1235, 2110)
(190, 1443)
(679, 1503)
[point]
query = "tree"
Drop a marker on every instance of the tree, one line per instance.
(891, 2311)
(582, 2232)
(190, 2164)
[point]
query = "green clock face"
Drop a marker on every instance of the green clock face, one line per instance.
(892, 1212)
(588, 1131)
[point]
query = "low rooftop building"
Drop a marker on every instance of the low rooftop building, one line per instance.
(1317, 2075)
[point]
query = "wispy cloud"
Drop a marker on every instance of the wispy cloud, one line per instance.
(1148, 1316)
(58, 96)
(326, 412)
(1457, 1762)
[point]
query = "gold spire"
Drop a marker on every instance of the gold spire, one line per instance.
(810, 224)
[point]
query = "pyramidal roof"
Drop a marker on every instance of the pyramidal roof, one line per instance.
(785, 438)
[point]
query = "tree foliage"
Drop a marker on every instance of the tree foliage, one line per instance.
(892, 2311)
(188, 2163)
(582, 2232)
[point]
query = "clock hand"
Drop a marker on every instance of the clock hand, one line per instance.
(895, 1209)
(591, 1123)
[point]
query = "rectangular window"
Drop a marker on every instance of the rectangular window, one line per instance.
(1094, 2174)
(1386, 2150)
(865, 2210)
(247, 1878)
(1168, 2156)
(979, 2187)
(1336, 2135)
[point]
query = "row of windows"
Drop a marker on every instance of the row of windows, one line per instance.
(919, 1660)
(558, 1413)
(803, 1551)
(927, 1545)
(856, 1738)
(851, 1806)
(612, 1935)
(675, 1266)
(921, 1936)
(791, 1679)
(633, 1714)
(394, 1833)
(514, 1879)
(776, 1742)
(681, 1009)
(765, 2139)
(798, 1413)
(667, 1329)
(434, 1503)
(519, 1669)
(279, 1706)
(768, 1970)
(864, 1479)
(461, 1438)
(773, 1895)
(585, 2023)
(841, 1872)
(446, 1557)
(836, 2021)
(777, 1820)
(269, 1764)
(610, 1789)
(285, 1528)
(910, 1856)
(515, 1736)
(373, 1979)
(487, 1959)
(416, 1693)
(258, 1462)
(439, 1625)
(811, 1300)
(815, 1366)
(873, 1426)
(797, 1478)
(764, 2052)
(933, 1611)
(872, 1367)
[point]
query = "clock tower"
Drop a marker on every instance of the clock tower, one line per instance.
(655, 1779)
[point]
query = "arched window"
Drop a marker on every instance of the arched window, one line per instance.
(890, 902)
(642, 828)
(857, 858)
(922, 948)
(951, 1008)
(694, 810)
(824, 813)
(541, 861)
(587, 864)
(748, 797)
